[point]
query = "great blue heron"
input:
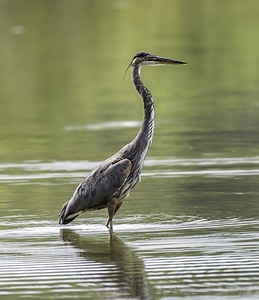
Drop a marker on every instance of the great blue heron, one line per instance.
(113, 179)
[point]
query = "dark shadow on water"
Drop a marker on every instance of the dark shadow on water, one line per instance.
(129, 274)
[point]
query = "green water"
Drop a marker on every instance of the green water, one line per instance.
(190, 228)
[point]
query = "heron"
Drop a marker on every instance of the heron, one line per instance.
(112, 181)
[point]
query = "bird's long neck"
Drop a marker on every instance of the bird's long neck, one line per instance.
(147, 128)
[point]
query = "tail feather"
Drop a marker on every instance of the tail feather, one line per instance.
(65, 216)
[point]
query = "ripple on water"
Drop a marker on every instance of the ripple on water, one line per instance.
(168, 256)
(184, 257)
(104, 126)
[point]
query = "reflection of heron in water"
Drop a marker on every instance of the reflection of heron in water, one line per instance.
(112, 180)
(129, 274)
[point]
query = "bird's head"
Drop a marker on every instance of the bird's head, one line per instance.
(148, 59)
(145, 58)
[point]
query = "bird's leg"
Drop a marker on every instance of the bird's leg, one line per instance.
(112, 209)
(117, 207)
(111, 205)
(109, 225)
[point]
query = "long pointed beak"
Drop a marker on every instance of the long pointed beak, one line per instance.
(158, 60)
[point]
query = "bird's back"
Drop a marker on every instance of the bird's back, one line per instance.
(97, 188)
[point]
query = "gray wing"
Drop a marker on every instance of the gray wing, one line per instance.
(96, 189)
